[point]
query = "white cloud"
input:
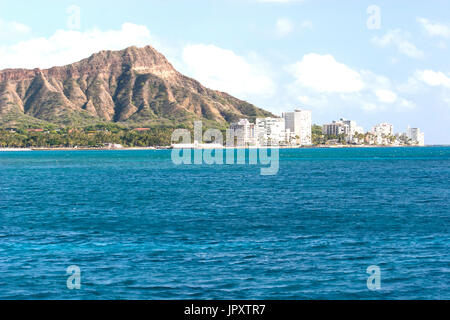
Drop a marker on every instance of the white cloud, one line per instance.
(434, 28)
(433, 78)
(411, 86)
(224, 70)
(428, 83)
(386, 96)
(284, 26)
(324, 74)
(65, 47)
(436, 82)
(215, 67)
(13, 28)
(375, 81)
(324, 84)
(400, 40)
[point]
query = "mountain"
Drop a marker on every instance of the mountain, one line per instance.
(135, 86)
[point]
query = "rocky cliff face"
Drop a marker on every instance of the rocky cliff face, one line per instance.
(135, 85)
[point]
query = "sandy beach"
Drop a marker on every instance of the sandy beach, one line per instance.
(200, 148)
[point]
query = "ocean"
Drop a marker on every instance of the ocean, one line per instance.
(140, 227)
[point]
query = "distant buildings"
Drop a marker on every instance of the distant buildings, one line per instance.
(113, 146)
(270, 131)
(245, 132)
(416, 136)
(336, 128)
(383, 129)
(342, 126)
(381, 134)
(348, 128)
(298, 123)
(351, 126)
(294, 128)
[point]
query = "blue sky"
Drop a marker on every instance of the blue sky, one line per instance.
(337, 58)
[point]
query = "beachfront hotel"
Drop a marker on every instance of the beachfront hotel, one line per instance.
(245, 132)
(415, 135)
(271, 131)
(293, 128)
(383, 129)
(342, 126)
(335, 128)
(299, 125)
(381, 134)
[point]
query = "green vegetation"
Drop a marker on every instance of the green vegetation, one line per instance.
(93, 137)
(94, 103)
(128, 134)
(319, 138)
(133, 134)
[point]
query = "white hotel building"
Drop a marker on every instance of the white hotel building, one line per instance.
(342, 126)
(383, 129)
(294, 128)
(416, 136)
(270, 131)
(299, 125)
(245, 132)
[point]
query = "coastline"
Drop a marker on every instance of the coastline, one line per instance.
(202, 148)
(15, 149)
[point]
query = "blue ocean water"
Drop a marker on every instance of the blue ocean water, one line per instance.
(140, 227)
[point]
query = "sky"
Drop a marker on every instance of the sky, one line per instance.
(369, 61)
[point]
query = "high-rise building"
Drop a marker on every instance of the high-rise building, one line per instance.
(385, 129)
(245, 132)
(416, 136)
(270, 131)
(345, 127)
(336, 128)
(298, 123)
(351, 125)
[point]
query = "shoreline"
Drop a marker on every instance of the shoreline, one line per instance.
(224, 148)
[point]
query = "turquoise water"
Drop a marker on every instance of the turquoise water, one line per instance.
(140, 227)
